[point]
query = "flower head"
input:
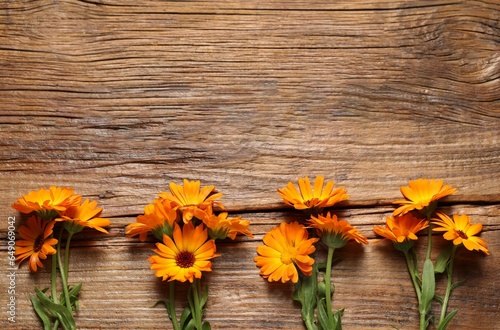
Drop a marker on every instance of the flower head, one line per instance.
(461, 231)
(422, 194)
(220, 226)
(48, 203)
(190, 197)
(402, 230)
(36, 242)
(158, 218)
(286, 247)
(335, 233)
(315, 198)
(184, 257)
(84, 215)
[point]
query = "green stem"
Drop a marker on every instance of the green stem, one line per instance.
(429, 236)
(310, 324)
(66, 254)
(449, 273)
(171, 302)
(62, 271)
(197, 312)
(53, 280)
(412, 270)
(328, 275)
(53, 283)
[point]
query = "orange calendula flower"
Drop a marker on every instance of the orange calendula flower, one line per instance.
(84, 215)
(402, 230)
(316, 198)
(158, 218)
(461, 231)
(335, 233)
(286, 247)
(36, 242)
(48, 203)
(184, 257)
(190, 197)
(404, 227)
(220, 226)
(421, 194)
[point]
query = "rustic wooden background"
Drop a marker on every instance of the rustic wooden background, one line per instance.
(118, 98)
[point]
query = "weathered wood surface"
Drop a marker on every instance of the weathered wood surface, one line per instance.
(116, 99)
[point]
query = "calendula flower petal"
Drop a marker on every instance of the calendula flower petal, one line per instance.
(335, 233)
(184, 257)
(421, 193)
(283, 252)
(312, 198)
(401, 228)
(189, 198)
(461, 231)
(84, 215)
(36, 242)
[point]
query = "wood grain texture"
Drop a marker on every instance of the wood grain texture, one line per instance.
(118, 98)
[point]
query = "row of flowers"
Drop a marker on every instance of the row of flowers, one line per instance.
(187, 221)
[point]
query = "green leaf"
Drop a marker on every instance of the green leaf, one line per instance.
(439, 299)
(444, 322)
(42, 313)
(61, 312)
(324, 322)
(206, 326)
(337, 317)
(443, 259)
(73, 295)
(306, 290)
(164, 302)
(185, 316)
(428, 287)
(457, 284)
(204, 297)
(190, 325)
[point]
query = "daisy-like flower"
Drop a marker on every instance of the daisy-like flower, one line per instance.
(461, 231)
(402, 230)
(220, 226)
(48, 203)
(286, 247)
(422, 194)
(36, 242)
(335, 233)
(184, 257)
(315, 198)
(84, 215)
(158, 218)
(190, 197)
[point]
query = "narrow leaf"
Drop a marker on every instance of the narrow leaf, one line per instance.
(457, 284)
(41, 312)
(337, 317)
(443, 259)
(185, 316)
(428, 287)
(163, 301)
(190, 325)
(324, 322)
(444, 322)
(206, 326)
(61, 312)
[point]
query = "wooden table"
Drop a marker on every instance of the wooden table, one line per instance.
(118, 98)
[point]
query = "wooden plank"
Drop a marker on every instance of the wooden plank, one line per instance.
(372, 283)
(118, 99)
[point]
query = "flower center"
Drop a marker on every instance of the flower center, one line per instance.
(185, 259)
(287, 256)
(462, 234)
(37, 246)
